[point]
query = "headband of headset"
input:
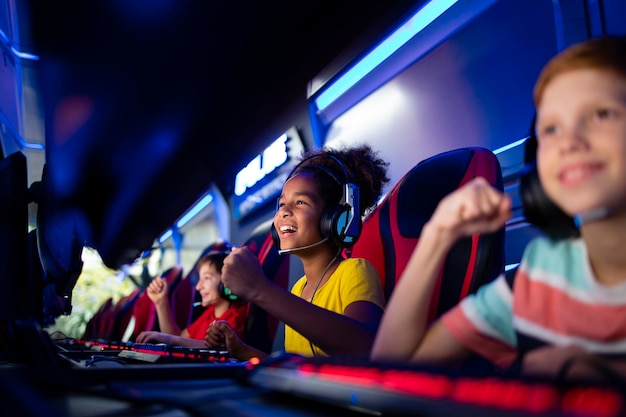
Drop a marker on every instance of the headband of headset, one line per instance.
(341, 223)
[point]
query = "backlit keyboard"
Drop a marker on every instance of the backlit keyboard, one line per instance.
(145, 352)
(381, 389)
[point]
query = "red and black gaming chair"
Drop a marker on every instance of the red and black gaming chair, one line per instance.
(144, 310)
(392, 230)
(95, 326)
(261, 328)
(121, 316)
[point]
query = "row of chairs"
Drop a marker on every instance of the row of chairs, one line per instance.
(388, 237)
(112, 320)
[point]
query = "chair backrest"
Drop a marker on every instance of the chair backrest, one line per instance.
(261, 328)
(144, 314)
(144, 310)
(391, 232)
(181, 300)
(95, 326)
(120, 317)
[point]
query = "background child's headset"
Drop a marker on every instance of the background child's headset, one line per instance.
(538, 209)
(340, 223)
(223, 249)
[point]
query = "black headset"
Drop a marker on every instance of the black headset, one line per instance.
(538, 209)
(340, 223)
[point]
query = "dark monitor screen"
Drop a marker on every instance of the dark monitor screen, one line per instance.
(38, 268)
(16, 298)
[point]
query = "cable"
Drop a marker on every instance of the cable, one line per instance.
(334, 258)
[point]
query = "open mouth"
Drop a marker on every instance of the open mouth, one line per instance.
(286, 230)
(578, 174)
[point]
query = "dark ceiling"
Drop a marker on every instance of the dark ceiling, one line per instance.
(147, 102)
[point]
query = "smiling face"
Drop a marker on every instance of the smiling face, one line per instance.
(300, 208)
(208, 282)
(581, 133)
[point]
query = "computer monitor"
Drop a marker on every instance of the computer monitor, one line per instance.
(16, 290)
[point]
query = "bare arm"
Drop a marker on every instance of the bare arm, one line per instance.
(404, 333)
(169, 339)
(351, 333)
(158, 293)
(573, 363)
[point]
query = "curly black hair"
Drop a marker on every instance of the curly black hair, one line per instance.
(360, 165)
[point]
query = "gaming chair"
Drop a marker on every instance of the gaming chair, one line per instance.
(144, 310)
(392, 230)
(94, 327)
(121, 315)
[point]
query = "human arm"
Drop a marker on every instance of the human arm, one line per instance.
(404, 334)
(220, 335)
(168, 339)
(352, 332)
(572, 364)
(158, 292)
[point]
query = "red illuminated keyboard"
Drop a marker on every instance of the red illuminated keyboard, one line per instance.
(147, 352)
(411, 390)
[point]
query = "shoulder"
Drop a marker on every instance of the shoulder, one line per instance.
(357, 268)
(359, 264)
(554, 255)
(546, 244)
(297, 286)
(238, 306)
(237, 310)
(207, 312)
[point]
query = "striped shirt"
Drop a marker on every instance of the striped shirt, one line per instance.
(554, 299)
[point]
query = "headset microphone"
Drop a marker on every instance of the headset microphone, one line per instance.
(590, 216)
(284, 251)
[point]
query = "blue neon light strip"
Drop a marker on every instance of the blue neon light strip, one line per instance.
(17, 53)
(165, 236)
(421, 19)
(509, 146)
(511, 266)
(194, 210)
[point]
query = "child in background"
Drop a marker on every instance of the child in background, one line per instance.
(564, 314)
(336, 307)
(216, 307)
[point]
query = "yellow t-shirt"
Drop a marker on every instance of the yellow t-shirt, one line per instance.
(354, 280)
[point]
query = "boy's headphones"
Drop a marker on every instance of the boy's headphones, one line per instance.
(538, 209)
(341, 223)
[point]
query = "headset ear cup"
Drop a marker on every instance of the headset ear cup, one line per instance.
(333, 222)
(275, 237)
(539, 210)
(327, 223)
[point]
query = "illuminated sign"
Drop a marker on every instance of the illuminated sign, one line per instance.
(272, 157)
(262, 179)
